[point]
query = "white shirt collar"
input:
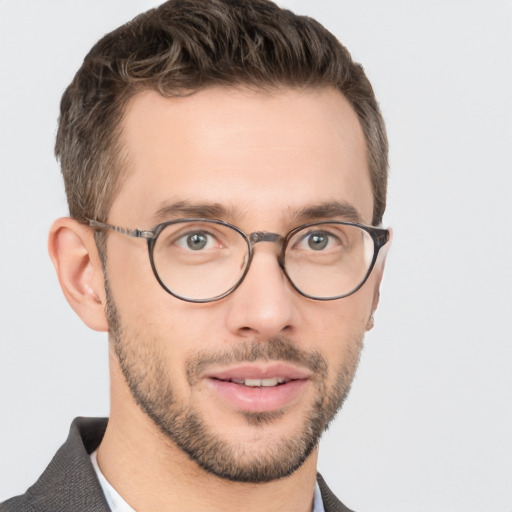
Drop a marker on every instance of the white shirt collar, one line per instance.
(114, 500)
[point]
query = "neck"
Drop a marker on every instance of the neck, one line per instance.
(152, 474)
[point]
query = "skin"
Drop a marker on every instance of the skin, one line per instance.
(262, 156)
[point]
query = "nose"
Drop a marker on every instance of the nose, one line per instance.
(264, 305)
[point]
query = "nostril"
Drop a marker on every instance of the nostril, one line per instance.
(261, 335)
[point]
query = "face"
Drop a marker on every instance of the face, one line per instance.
(244, 385)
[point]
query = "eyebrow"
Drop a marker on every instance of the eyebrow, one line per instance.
(207, 210)
(329, 210)
(193, 210)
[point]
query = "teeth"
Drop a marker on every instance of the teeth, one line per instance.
(265, 383)
(261, 382)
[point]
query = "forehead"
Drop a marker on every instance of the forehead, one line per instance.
(256, 153)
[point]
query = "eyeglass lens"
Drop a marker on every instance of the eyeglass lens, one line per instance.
(203, 260)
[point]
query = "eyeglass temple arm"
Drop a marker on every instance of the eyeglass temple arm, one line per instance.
(382, 237)
(136, 233)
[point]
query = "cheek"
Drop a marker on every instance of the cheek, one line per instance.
(340, 325)
(350, 314)
(154, 324)
(140, 300)
(128, 266)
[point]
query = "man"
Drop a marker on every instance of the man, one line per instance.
(225, 165)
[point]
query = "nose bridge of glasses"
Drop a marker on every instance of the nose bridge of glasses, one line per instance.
(264, 236)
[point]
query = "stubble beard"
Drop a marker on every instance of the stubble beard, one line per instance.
(148, 380)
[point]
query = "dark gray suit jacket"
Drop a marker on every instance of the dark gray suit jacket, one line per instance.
(69, 483)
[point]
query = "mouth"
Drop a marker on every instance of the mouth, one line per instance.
(258, 388)
(260, 383)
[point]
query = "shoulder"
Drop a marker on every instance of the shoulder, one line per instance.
(330, 501)
(69, 482)
(17, 504)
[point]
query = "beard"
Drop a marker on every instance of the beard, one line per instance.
(148, 379)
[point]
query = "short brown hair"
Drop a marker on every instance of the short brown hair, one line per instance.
(184, 46)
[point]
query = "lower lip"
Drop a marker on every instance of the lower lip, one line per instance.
(258, 399)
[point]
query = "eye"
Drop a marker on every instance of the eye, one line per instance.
(317, 241)
(197, 241)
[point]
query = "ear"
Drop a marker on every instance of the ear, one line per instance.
(379, 270)
(74, 254)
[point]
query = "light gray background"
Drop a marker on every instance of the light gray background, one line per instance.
(428, 426)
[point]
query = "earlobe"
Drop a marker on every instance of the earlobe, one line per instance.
(379, 268)
(73, 252)
(370, 323)
(376, 296)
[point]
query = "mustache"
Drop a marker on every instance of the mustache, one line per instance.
(277, 349)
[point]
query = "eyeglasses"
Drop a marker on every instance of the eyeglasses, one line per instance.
(204, 260)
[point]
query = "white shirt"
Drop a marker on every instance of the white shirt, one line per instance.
(117, 504)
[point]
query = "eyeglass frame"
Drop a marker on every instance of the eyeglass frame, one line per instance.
(380, 237)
